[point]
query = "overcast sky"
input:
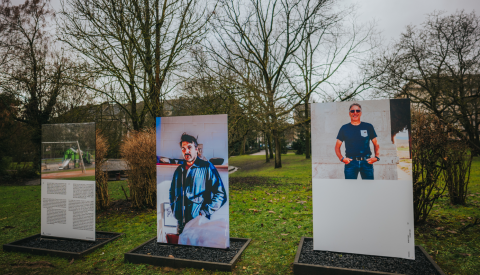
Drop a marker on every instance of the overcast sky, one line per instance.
(392, 16)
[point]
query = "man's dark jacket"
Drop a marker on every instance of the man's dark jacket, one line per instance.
(200, 189)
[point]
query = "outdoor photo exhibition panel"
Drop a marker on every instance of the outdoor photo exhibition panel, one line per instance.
(192, 180)
(68, 181)
(362, 178)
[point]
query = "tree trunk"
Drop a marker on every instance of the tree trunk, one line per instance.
(37, 142)
(267, 159)
(269, 139)
(278, 151)
(158, 83)
(242, 149)
(307, 131)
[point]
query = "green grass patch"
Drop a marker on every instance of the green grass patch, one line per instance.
(294, 166)
(271, 206)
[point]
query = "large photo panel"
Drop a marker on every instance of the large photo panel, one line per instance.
(68, 181)
(192, 180)
(362, 179)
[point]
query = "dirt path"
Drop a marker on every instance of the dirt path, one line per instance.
(72, 174)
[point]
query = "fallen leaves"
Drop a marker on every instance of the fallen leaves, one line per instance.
(441, 228)
(452, 231)
(271, 212)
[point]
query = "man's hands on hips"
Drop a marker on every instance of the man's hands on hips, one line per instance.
(347, 160)
(372, 160)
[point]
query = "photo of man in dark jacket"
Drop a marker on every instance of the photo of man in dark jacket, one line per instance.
(196, 188)
(357, 136)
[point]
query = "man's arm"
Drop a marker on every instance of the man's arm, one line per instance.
(339, 154)
(376, 148)
(219, 194)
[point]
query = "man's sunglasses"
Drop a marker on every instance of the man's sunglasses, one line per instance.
(355, 111)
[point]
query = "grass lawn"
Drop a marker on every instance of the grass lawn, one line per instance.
(271, 206)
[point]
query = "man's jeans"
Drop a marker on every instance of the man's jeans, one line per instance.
(362, 166)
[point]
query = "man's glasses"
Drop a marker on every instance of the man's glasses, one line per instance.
(355, 111)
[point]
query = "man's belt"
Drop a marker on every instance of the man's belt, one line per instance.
(359, 158)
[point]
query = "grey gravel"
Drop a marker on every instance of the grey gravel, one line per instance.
(68, 245)
(421, 265)
(192, 252)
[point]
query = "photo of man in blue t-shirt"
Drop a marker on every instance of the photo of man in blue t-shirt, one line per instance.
(357, 136)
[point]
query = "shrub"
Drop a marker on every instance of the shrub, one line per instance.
(101, 177)
(457, 162)
(138, 149)
(429, 137)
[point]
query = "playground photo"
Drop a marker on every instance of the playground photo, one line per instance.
(68, 151)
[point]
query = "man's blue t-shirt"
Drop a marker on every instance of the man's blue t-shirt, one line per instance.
(357, 139)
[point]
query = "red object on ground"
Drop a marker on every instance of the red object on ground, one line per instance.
(172, 238)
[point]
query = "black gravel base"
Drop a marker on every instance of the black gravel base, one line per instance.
(181, 256)
(325, 262)
(62, 247)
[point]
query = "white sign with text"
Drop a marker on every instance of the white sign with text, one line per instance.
(68, 209)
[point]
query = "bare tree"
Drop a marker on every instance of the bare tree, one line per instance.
(256, 40)
(330, 45)
(34, 73)
(437, 65)
(204, 92)
(134, 47)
